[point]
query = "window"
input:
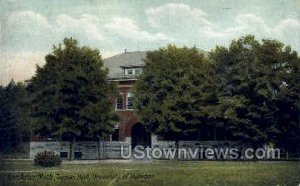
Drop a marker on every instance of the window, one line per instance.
(137, 72)
(119, 102)
(129, 101)
(133, 71)
(129, 72)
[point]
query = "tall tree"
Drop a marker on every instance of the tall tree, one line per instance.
(14, 122)
(257, 89)
(172, 92)
(72, 94)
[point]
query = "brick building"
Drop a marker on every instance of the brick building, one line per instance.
(124, 69)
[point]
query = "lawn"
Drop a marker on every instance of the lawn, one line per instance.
(155, 173)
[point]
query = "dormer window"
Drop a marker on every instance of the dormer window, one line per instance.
(132, 70)
(138, 71)
(129, 72)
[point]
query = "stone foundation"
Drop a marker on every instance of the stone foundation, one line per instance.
(93, 150)
(88, 150)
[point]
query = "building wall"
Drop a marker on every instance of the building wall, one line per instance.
(89, 149)
(128, 117)
(193, 145)
(93, 150)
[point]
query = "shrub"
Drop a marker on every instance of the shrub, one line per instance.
(47, 159)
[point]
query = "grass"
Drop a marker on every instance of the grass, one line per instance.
(154, 173)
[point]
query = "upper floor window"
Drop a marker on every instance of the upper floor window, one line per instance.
(138, 71)
(129, 101)
(119, 102)
(129, 72)
(133, 71)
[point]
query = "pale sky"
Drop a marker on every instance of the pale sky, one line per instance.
(29, 28)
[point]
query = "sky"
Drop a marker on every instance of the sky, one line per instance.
(30, 28)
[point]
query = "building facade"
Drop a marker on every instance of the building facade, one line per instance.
(124, 70)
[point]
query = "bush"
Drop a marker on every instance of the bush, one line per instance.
(47, 159)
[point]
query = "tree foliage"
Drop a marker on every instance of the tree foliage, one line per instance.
(171, 93)
(14, 122)
(258, 89)
(71, 94)
(251, 87)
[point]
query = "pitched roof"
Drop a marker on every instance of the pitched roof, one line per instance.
(115, 63)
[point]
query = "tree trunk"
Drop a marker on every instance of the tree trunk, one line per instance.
(215, 135)
(72, 143)
(176, 148)
(99, 155)
(103, 148)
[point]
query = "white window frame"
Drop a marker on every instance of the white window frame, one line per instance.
(116, 103)
(132, 70)
(129, 95)
(137, 71)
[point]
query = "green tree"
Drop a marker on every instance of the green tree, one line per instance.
(257, 89)
(172, 93)
(14, 122)
(72, 95)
